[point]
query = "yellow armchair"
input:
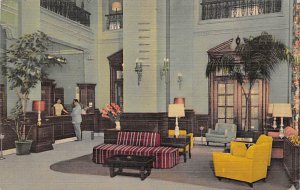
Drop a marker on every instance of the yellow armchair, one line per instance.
(249, 166)
(183, 133)
(240, 147)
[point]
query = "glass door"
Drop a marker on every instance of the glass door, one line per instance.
(225, 103)
(254, 100)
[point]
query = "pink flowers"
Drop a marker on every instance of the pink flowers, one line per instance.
(112, 111)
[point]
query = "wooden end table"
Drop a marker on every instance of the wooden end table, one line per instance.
(179, 142)
(142, 163)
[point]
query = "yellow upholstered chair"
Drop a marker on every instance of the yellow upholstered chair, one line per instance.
(183, 133)
(248, 166)
(238, 146)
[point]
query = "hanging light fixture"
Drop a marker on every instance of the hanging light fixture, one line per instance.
(116, 6)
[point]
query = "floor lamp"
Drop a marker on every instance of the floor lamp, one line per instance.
(281, 110)
(176, 110)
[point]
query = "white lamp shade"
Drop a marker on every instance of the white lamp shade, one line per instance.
(176, 110)
(116, 6)
(282, 110)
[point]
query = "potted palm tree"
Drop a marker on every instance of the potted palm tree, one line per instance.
(24, 65)
(259, 57)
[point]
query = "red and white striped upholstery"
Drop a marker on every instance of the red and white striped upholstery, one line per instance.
(138, 143)
(138, 138)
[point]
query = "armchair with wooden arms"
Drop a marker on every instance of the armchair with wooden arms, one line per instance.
(244, 165)
(183, 133)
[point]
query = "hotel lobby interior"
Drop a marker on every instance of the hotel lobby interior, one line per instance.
(193, 94)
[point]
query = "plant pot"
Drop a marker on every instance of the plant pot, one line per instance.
(23, 147)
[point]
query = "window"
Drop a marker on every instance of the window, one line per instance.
(114, 20)
(214, 9)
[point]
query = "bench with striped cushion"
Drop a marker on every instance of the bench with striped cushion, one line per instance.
(138, 143)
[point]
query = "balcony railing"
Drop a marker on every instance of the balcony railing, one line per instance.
(67, 9)
(114, 21)
(217, 9)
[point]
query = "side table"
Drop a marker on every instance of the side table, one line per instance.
(277, 147)
(179, 142)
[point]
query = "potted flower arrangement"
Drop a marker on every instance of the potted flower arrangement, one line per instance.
(113, 112)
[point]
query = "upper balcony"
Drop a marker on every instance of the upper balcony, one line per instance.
(114, 21)
(216, 9)
(68, 9)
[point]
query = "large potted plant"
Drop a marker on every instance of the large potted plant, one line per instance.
(24, 65)
(257, 58)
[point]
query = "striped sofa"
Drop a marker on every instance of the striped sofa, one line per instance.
(138, 143)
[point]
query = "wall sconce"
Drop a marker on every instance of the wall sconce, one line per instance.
(179, 80)
(139, 69)
(165, 69)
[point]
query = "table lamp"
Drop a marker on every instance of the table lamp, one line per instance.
(176, 110)
(179, 100)
(281, 110)
(39, 106)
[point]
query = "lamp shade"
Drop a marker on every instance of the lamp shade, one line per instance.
(116, 6)
(38, 105)
(176, 110)
(282, 110)
(179, 100)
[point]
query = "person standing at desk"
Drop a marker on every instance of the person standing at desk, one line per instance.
(76, 118)
(59, 108)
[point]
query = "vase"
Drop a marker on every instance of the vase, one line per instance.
(118, 126)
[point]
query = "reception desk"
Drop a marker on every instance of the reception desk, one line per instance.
(59, 127)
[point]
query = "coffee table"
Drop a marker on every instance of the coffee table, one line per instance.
(142, 163)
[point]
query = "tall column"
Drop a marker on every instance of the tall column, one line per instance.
(29, 22)
(144, 42)
(29, 16)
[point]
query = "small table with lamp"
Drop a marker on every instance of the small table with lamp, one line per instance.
(178, 142)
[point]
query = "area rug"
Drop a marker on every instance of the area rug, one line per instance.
(198, 171)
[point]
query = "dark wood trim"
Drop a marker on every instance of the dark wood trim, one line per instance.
(87, 95)
(185, 123)
(291, 161)
(53, 128)
(47, 94)
(201, 120)
(115, 64)
(158, 122)
(3, 101)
